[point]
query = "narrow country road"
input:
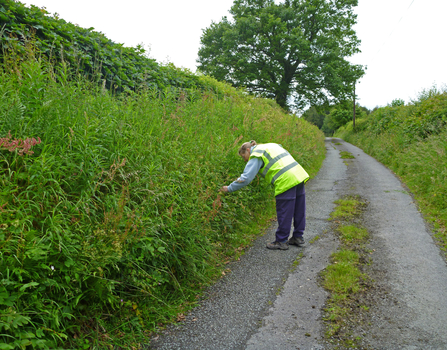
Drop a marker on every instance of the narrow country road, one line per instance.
(267, 303)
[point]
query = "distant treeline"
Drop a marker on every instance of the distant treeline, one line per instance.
(329, 118)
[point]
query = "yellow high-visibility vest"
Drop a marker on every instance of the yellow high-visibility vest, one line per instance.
(280, 168)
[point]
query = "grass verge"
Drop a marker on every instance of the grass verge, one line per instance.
(344, 278)
(411, 140)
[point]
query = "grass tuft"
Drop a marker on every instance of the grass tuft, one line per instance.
(344, 278)
(346, 209)
(346, 155)
(352, 234)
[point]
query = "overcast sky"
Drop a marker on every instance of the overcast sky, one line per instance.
(403, 41)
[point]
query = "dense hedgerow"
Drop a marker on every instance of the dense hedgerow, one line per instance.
(411, 140)
(86, 52)
(110, 215)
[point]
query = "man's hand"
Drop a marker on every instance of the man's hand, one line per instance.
(224, 189)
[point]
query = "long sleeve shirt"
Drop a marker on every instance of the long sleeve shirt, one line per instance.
(250, 171)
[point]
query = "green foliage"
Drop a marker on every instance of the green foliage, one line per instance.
(412, 140)
(411, 123)
(111, 221)
(425, 94)
(313, 116)
(75, 50)
(397, 102)
(337, 117)
(289, 51)
(331, 118)
(340, 116)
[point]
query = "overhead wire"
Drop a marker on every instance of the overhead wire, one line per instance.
(392, 31)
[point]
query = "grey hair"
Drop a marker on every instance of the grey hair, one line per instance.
(245, 146)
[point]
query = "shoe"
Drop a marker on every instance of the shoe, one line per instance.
(278, 245)
(298, 241)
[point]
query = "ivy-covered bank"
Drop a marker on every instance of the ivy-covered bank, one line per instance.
(85, 51)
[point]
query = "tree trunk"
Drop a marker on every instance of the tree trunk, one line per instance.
(283, 91)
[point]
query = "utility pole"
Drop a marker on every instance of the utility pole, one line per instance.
(353, 114)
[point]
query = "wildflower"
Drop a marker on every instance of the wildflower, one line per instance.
(52, 267)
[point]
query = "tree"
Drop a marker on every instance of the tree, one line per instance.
(340, 114)
(397, 102)
(294, 52)
(338, 117)
(312, 115)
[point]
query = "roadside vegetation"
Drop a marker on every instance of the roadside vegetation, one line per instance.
(86, 52)
(345, 278)
(111, 223)
(328, 118)
(411, 139)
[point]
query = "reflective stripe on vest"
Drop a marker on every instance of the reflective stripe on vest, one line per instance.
(278, 162)
(272, 161)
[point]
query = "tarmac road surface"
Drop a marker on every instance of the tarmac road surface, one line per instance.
(266, 303)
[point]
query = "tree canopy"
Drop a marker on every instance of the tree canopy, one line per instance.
(294, 52)
(329, 118)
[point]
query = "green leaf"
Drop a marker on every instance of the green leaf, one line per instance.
(28, 285)
(19, 320)
(69, 263)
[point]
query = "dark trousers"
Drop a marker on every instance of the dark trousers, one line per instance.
(291, 205)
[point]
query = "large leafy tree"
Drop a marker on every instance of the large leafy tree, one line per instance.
(294, 52)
